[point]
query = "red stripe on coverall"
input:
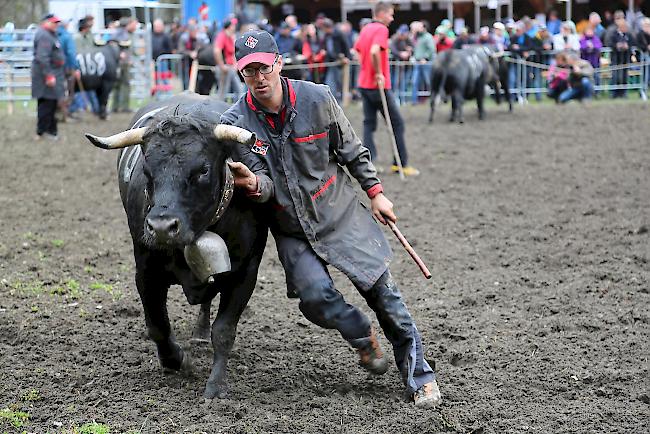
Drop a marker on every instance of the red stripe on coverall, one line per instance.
(310, 137)
(324, 187)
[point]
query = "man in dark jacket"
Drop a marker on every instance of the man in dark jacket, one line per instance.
(122, 90)
(287, 44)
(643, 43)
(620, 39)
(304, 141)
(161, 44)
(47, 76)
(337, 50)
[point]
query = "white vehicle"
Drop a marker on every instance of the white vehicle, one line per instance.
(105, 11)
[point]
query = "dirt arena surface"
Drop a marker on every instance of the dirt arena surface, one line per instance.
(534, 225)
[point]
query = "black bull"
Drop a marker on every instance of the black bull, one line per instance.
(463, 74)
(98, 67)
(172, 187)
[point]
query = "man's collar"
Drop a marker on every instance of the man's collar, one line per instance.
(288, 98)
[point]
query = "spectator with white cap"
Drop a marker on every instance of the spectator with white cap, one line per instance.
(484, 36)
(596, 24)
(463, 40)
(423, 52)
(501, 37)
(567, 39)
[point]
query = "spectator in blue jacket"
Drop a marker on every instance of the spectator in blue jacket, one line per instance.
(71, 66)
(287, 44)
(553, 23)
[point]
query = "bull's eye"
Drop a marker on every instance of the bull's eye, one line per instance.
(200, 175)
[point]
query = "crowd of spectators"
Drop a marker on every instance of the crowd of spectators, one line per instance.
(541, 42)
(564, 57)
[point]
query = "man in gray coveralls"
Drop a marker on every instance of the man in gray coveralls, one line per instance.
(303, 143)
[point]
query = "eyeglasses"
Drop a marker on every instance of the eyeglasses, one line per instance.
(264, 69)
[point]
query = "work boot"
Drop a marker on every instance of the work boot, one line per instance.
(427, 396)
(371, 357)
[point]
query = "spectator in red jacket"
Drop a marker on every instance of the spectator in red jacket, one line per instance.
(442, 39)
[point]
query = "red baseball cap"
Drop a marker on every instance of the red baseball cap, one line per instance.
(255, 46)
(51, 18)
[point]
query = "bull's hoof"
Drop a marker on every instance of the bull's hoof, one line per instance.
(201, 335)
(187, 367)
(172, 365)
(213, 391)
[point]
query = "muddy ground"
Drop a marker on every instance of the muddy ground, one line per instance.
(535, 227)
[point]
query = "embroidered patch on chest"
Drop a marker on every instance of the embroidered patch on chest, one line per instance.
(260, 147)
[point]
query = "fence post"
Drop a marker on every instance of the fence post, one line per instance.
(194, 71)
(345, 92)
(10, 89)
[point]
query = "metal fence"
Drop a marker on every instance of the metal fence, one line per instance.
(15, 67)
(17, 52)
(528, 76)
(410, 80)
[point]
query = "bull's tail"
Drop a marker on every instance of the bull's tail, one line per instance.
(435, 96)
(441, 87)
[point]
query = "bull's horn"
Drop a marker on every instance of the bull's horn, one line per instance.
(120, 140)
(236, 134)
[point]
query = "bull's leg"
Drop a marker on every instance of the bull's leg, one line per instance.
(454, 107)
(153, 294)
(434, 97)
(231, 305)
(201, 332)
(480, 94)
(509, 99)
(102, 96)
(457, 107)
(497, 92)
(506, 88)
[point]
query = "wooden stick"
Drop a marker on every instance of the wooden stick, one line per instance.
(194, 71)
(345, 92)
(391, 133)
(407, 246)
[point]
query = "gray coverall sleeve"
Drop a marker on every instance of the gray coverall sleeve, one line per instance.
(347, 147)
(255, 163)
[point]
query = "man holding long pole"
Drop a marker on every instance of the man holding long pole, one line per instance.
(304, 141)
(374, 80)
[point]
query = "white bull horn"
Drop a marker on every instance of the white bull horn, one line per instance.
(120, 140)
(236, 134)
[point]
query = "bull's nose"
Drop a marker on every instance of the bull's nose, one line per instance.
(163, 227)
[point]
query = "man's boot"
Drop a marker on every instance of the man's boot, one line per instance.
(371, 357)
(427, 396)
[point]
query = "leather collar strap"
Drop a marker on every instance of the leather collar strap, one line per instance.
(226, 194)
